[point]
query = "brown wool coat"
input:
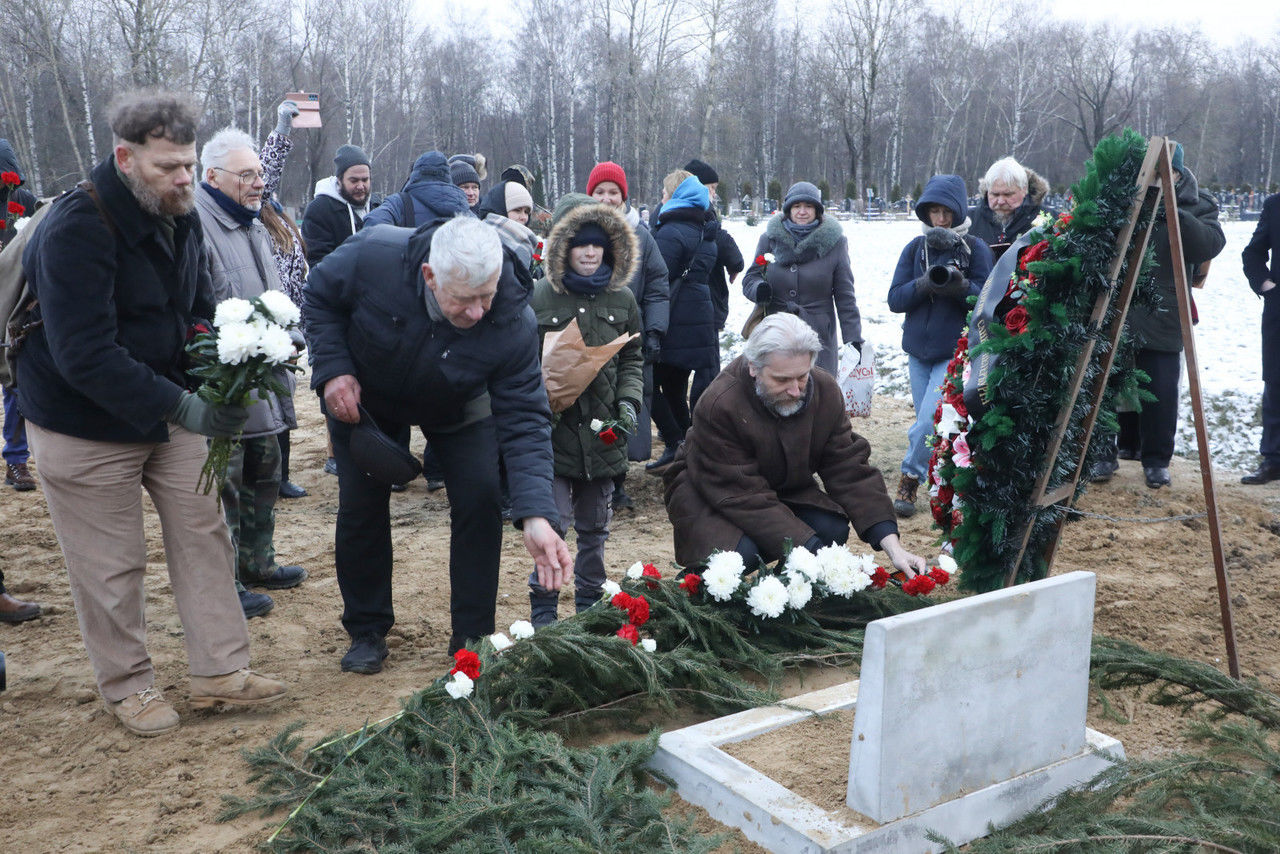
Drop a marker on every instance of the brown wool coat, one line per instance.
(740, 461)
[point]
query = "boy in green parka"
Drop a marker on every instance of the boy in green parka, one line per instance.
(590, 255)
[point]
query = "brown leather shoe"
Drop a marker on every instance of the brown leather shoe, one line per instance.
(239, 688)
(19, 477)
(145, 713)
(16, 611)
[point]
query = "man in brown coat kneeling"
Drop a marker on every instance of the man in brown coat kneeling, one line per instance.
(744, 479)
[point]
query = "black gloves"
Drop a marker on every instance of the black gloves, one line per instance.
(764, 293)
(944, 281)
(652, 346)
(207, 419)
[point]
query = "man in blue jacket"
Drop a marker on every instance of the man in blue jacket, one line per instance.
(101, 382)
(1262, 269)
(433, 328)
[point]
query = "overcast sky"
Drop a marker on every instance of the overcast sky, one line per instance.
(1223, 21)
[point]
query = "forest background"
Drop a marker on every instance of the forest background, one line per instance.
(863, 97)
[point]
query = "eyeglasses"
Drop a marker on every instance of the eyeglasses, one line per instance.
(248, 176)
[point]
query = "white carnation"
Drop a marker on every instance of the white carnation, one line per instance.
(635, 571)
(649, 645)
(611, 588)
(459, 686)
(948, 564)
(723, 575)
(275, 345)
(280, 308)
(596, 425)
(499, 641)
(803, 562)
(768, 598)
(799, 592)
(521, 629)
(237, 342)
(232, 310)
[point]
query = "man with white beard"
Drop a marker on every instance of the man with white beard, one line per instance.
(1012, 196)
(744, 478)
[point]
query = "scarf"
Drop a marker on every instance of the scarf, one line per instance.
(588, 285)
(800, 232)
(961, 230)
(242, 215)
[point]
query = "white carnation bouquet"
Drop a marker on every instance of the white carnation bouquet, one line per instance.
(249, 343)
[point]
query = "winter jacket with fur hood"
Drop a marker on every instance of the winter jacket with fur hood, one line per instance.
(987, 226)
(811, 278)
(579, 452)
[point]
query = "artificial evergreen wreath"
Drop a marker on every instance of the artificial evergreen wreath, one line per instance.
(993, 425)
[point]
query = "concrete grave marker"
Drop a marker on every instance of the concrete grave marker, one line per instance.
(967, 713)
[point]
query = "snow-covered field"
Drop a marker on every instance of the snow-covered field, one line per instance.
(1227, 338)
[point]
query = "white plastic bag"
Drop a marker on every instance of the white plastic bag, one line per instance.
(857, 376)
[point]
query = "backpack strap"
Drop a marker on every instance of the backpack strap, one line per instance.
(88, 187)
(408, 216)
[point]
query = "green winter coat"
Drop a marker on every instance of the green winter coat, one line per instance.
(579, 452)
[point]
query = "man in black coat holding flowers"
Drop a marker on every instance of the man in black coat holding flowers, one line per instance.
(101, 381)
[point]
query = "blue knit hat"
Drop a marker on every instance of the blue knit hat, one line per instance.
(1176, 160)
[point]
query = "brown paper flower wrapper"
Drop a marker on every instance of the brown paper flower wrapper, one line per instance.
(569, 365)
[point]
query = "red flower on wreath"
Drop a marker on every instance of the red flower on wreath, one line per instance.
(939, 575)
(638, 610)
(466, 662)
(879, 578)
(650, 571)
(919, 585)
(939, 510)
(957, 518)
(16, 209)
(690, 583)
(1034, 254)
(10, 178)
(629, 632)
(1016, 320)
(608, 436)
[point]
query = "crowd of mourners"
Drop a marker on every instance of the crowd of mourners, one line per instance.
(429, 309)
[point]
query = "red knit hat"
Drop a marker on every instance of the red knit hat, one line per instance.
(607, 171)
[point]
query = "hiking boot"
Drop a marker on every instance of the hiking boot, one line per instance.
(238, 688)
(366, 654)
(905, 504)
(19, 477)
(283, 578)
(145, 713)
(255, 604)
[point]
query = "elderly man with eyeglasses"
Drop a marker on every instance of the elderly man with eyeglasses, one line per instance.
(237, 253)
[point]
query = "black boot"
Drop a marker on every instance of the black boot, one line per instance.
(542, 608)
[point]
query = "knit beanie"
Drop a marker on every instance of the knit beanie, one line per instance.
(463, 173)
(519, 173)
(702, 171)
(592, 234)
(802, 191)
(348, 156)
(607, 171)
(1176, 161)
(517, 196)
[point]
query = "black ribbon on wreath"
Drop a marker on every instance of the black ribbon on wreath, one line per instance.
(994, 300)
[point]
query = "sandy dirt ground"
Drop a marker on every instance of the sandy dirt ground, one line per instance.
(74, 780)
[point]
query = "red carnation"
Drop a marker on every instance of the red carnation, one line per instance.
(628, 632)
(466, 662)
(651, 571)
(939, 575)
(939, 511)
(879, 578)
(621, 600)
(16, 209)
(10, 178)
(962, 344)
(638, 610)
(690, 583)
(1016, 320)
(760, 262)
(919, 585)
(608, 436)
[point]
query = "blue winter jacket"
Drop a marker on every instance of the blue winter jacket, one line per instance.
(933, 321)
(430, 191)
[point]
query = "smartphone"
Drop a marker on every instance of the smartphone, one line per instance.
(308, 109)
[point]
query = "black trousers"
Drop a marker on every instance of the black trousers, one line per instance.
(702, 378)
(829, 528)
(1157, 423)
(362, 541)
(1269, 447)
(671, 402)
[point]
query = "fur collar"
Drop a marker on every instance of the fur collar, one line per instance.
(823, 239)
(624, 244)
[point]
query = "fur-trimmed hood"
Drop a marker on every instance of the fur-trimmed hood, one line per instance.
(622, 240)
(1037, 188)
(818, 243)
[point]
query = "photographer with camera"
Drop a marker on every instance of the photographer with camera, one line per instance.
(937, 272)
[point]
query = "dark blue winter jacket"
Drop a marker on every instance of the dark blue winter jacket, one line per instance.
(934, 321)
(687, 241)
(429, 189)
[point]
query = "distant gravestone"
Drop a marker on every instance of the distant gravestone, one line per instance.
(960, 696)
(968, 714)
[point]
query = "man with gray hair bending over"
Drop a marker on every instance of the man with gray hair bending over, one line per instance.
(432, 327)
(744, 479)
(1012, 197)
